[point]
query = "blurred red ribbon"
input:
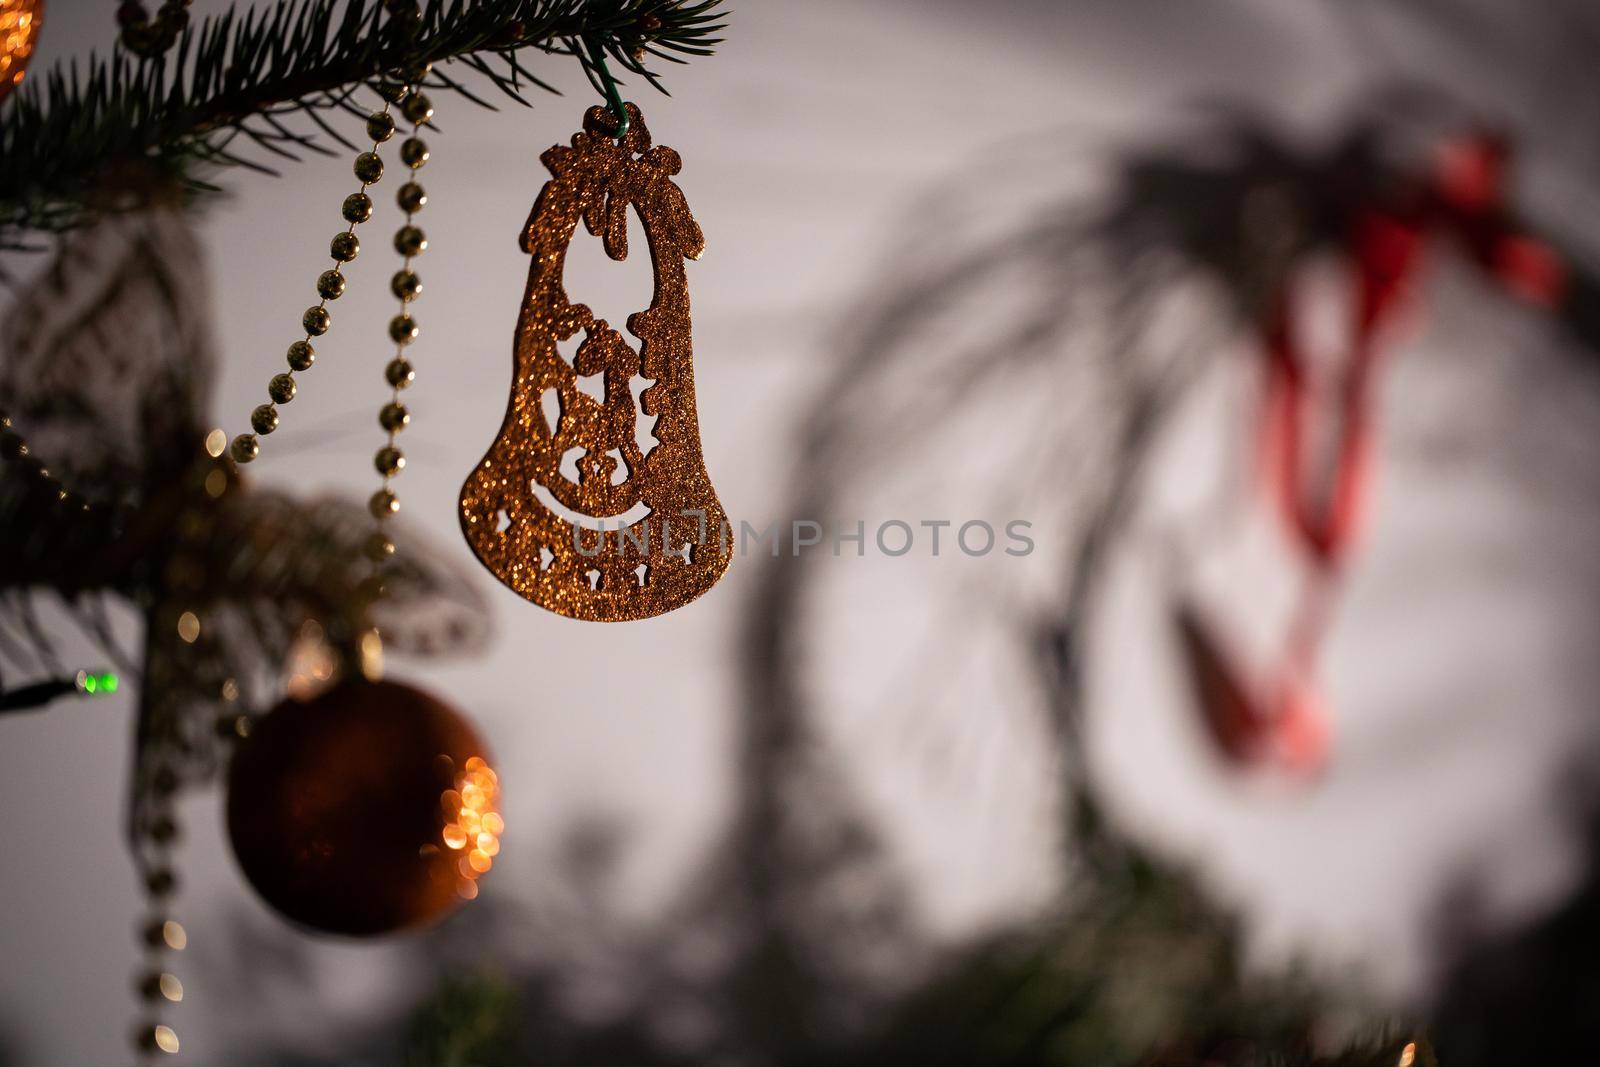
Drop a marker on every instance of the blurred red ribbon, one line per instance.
(1320, 494)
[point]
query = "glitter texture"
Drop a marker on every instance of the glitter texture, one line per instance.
(580, 565)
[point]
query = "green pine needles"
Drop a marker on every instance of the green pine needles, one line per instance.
(235, 89)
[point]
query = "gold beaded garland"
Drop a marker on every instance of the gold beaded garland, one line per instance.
(158, 932)
(394, 416)
(330, 285)
(403, 329)
(357, 207)
(183, 649)
(369, 168)
(344, 247)
(161, 935)
(157, 1037)
(414, 152)
(379, 548)
(281, 388)
(405, 284)
(389, 461)
(316, 320)
(14, 450)
(156, 985)
(411, 197)
(399, 373)
(380, 126)
(264, 419)
(410, 242)
(417, 109)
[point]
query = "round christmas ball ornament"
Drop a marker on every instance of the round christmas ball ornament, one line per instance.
(365, 810)
(20, 21)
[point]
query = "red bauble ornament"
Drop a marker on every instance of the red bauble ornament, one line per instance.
(365, 810)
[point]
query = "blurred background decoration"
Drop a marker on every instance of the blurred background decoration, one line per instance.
(1278, 748)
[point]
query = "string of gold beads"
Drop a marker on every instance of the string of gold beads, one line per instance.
(317, 320)
(182, 666)
(15, 452)
(158, 832)
(158, 987)
(409, 242)
(161, 936)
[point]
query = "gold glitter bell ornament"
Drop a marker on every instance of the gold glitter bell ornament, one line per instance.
(637, 533)
(367, 809)
(20, 22)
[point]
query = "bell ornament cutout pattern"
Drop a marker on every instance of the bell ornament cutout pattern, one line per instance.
(637, 533)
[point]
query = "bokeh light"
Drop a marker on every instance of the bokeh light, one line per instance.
(472, 822)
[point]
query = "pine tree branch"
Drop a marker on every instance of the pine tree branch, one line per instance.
(65, 138)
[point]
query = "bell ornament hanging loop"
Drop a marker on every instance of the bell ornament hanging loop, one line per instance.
(637, 533)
